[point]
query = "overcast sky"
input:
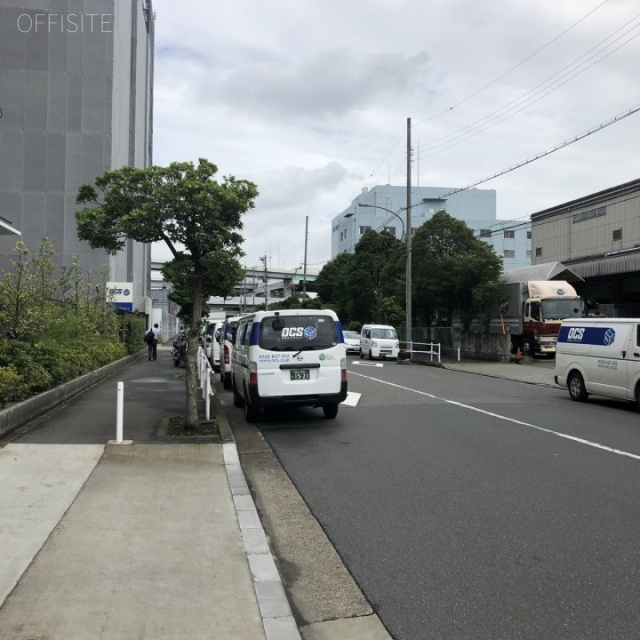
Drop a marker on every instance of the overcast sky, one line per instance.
(310, 101)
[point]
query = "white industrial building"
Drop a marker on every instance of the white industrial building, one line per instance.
(383, 208)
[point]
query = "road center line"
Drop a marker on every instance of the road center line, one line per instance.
(589, 443)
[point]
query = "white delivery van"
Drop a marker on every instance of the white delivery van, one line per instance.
(289, 357)
(378, 341)
(599, 356)
(210, 340)
(227, 337)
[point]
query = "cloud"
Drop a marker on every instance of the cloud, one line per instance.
(328, 86)
(310, 101)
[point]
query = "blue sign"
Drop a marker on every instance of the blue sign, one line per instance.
(598, 336)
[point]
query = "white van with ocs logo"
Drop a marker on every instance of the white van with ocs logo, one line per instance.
(599, 356)
(289, 357)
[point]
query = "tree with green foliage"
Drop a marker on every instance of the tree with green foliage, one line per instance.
(196, 216)
(452, 269)
(376, 285)
(55, 328)
(333, 285)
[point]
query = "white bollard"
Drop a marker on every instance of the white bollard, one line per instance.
(458, 354)
(207, 395)
(120, 413)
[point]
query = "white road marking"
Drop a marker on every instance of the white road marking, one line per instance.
(588, 443)
(352, 399)
(368, 364)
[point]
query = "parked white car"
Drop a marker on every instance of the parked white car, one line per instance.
(352, 340)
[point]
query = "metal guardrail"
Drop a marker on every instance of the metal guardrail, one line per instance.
(205, 372)
(423, 348)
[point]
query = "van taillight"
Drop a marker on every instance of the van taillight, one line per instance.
(226, 354)
(253, 373)
(343, 369)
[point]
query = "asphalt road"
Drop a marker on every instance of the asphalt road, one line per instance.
(468, 507)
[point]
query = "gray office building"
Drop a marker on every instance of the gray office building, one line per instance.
(76, 90)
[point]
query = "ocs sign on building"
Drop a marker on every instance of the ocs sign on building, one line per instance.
(120, 294)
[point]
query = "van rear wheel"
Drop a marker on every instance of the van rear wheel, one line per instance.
(250, 412)
(330, 410)
(237, 398)
(577, 390)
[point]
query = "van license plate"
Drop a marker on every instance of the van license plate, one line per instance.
(300, 374)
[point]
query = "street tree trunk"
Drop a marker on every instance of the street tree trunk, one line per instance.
(191, 419)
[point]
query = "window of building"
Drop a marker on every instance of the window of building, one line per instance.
(364, 230)
(485, 233)
(509, 253)
(617, 234)
(509, 233)
(588, 215)
(538, 252)
(391, 230)
(528, 235)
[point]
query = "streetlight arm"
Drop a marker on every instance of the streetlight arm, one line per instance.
(375, 206)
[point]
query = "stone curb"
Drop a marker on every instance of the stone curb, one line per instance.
(277, 619)
(19, 414)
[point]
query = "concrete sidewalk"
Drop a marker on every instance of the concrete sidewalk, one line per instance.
(157, 539)
(539, 371)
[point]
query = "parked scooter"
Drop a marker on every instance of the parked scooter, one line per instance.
(179, 351)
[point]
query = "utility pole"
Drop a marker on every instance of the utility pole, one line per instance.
(306, 236)
(253, 286)
(409, 336)
(266, 288)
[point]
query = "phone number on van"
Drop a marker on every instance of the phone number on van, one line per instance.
(275, 357)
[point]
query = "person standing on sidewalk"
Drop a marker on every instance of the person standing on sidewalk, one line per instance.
(153, 344)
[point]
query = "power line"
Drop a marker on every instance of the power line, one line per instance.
(536, 93)
(482, 89)
(506, 73)
(490, 84)
(533, 95)
(543, 154)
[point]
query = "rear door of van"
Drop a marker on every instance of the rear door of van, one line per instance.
(298, 355)
(633, 363)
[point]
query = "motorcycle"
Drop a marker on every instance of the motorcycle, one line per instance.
(179, 351)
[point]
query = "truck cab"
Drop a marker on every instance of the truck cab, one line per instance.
(543, 312)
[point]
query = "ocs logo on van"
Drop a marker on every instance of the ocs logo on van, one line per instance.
(299, 332)
(597, 336)
(575, 334)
